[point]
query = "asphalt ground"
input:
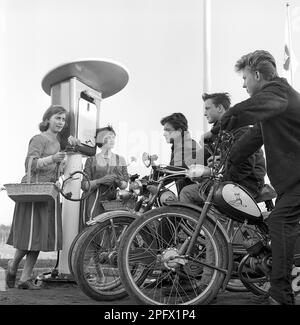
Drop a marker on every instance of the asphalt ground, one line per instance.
(65, 302)
(64, 293)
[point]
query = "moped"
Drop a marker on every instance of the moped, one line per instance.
(93, 254)
(186, 251)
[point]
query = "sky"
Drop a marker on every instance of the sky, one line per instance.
(160, 42)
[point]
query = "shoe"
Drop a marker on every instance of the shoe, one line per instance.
(260, 300)
(272, 301)
(28, 285)
(10, 276)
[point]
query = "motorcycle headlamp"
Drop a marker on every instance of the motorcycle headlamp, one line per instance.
(149, 160)
(146, 159)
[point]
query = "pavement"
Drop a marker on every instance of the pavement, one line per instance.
(68, 293)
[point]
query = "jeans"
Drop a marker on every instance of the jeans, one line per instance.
(190, 194)
(283, 225)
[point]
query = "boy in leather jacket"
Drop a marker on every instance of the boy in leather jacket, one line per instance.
(185, 151)
(274, 108)
(248, 173)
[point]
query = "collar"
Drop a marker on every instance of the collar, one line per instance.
(216, 123)
(185, 139)
(105, 156)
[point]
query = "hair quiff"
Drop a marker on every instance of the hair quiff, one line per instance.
(261, 61)
(218, 99)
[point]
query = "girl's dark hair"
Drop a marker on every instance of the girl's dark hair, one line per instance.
(52, 110)
(177, 120)
(104, 130)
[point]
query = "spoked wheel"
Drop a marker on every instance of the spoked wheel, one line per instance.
(239, 252)
(156, 243)
(235, 284)
(73, 249)
(258, 282)
(253, 279)
(95, 261)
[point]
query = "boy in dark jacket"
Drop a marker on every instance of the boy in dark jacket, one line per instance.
(185, 151)
(274, 108)
(248, 173)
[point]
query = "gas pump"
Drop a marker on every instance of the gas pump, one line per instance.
(80, 87)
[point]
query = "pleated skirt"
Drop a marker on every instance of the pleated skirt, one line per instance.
(37, 226)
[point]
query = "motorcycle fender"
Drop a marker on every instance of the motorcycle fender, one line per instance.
(110, 214)
(213, 219)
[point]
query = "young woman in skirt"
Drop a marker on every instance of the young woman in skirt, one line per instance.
(37, 226)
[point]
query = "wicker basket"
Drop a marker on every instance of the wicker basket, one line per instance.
(34, 192)
(113, 205)
(119, 205)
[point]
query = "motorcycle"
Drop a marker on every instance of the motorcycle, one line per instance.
(266, 195)
(93, 255)
(186, 253)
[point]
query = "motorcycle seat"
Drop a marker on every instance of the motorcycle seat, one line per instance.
(267, 193)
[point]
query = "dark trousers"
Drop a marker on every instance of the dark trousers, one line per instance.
(283, 225)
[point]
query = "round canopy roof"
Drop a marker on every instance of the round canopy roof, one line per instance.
(104, 76)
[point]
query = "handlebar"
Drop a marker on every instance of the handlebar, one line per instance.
(174, 172)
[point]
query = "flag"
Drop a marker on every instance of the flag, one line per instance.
(289, 60)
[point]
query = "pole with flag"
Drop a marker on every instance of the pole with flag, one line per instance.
(207, 45)
(290, 62)
(206, 52)
(287, 66)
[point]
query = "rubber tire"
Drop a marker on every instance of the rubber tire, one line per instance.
(82, 243)
(73, 249)
(236, 287)
(253, 288)
(220, 242)
(233, 287)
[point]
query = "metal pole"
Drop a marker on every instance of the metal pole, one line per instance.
(206, 52)
(207, 45)
(288, 40)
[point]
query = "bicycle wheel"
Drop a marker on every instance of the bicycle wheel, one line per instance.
(155, 242)
(235, 284)
(253, 278)
(239, 252)
(95, 262)
(73, 249)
